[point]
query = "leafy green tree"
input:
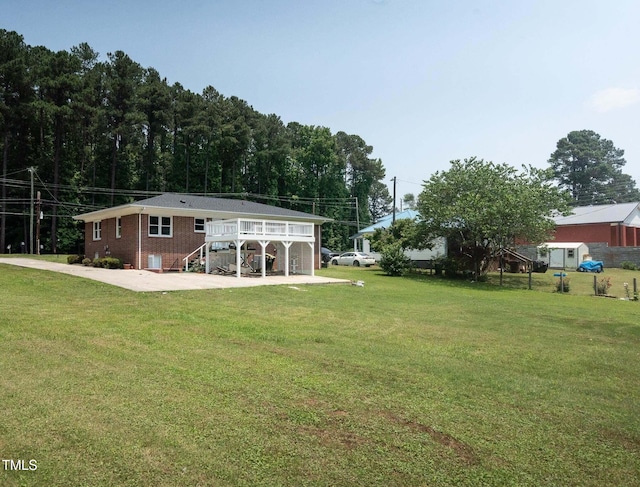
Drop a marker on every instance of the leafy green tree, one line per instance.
(406, 232)
(154, 100)
(266, 171)
(590, 168)
(481, 207)
(186, 108)
(123, 120)
(409, 201)
(380, 201)
(621, 189)
(57, 78)
(86, 108)
(391, 242)
(15, 96)
(210, 122)
(361, 170)
(234, 142)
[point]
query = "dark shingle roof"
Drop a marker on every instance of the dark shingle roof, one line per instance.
(223, 205)
(202, 206)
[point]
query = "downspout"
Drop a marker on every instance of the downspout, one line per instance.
(140, 238)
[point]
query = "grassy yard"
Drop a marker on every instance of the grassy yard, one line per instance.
(406, 381)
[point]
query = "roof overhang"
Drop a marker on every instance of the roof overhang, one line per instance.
(135, 208)
(562, 245)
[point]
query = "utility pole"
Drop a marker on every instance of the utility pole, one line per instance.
(394, 201)
(38, 218)
(357, 213)
(355, 241)
(31, 171)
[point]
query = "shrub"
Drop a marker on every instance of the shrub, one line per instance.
(563, 285)
(86, 261)
(108, 263)
(603, 285)
(74, 259)
(453, 268)
(112, 263)
(394, 262)
(630, 266)
(197, 267)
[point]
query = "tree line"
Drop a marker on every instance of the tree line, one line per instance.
(94, 133)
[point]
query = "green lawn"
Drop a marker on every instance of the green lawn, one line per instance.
(406, 381)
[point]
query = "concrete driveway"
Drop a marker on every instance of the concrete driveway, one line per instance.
(145, 281)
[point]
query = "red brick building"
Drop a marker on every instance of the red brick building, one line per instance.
(618, 225)
(166, 231)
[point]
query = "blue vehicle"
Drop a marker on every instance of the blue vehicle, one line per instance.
(591, 266)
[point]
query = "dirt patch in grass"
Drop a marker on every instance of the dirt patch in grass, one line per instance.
(331, 437)
(619, 438)
(463, 451)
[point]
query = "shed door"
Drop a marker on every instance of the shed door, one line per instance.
(556, 258)
(572, 258)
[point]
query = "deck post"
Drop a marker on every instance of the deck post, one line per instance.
(286, 257)
(313, 257)
(263, 244)
(239, 244)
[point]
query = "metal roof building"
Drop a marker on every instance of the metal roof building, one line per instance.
(618, 225)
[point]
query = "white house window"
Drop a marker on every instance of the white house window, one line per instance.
(160, 226)
(198, 225)
(97, 230)
(570, 253)
(118, 227)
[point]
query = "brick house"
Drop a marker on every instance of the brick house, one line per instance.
(168, 231)
(617, 225)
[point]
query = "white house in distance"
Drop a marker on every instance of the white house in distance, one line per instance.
(420, 258)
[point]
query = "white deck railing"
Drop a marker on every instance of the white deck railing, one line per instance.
(186, 259)
(244, 228)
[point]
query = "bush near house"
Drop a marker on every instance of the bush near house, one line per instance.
(108, 263)
(74, 259)
(394, 262)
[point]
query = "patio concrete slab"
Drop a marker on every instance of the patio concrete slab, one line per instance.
(146, 281)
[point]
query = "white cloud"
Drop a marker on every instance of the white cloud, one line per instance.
(614, 98)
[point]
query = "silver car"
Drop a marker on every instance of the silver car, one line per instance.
(354, 258)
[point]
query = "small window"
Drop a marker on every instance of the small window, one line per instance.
(118, 227)
(198, 225)
(97, 230)
(570, 253)
(160, 226)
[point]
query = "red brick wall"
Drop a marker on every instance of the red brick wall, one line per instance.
(123, 248)
(183, 241)
(614, 235)
(584, 233)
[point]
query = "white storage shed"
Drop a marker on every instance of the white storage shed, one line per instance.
(563, 255)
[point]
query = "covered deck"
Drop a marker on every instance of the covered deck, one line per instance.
(232, 245)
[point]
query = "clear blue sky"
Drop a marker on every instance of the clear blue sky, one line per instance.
(422, 81)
